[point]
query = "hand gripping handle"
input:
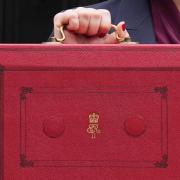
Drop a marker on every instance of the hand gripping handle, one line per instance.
(126, 40)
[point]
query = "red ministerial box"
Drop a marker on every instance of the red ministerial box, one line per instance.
(90, 112)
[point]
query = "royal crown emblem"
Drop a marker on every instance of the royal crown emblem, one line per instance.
(93, 118)
(93, 128)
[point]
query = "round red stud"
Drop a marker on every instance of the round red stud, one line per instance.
(53, 127)
(135, 126)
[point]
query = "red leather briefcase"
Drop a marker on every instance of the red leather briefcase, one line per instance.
(90, 112)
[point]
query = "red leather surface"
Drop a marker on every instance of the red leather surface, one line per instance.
(49, 93)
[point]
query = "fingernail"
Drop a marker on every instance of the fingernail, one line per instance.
(102, 35)
(123, 27)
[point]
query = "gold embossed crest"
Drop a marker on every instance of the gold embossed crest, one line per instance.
(93, 128)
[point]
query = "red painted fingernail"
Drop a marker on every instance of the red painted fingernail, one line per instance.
(123, 27)
(102, 35)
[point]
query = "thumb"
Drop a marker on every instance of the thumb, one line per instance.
(120, 31)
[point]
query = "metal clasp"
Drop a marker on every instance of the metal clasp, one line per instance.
(119, 39)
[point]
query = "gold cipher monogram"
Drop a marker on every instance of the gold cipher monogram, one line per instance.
(93, 125)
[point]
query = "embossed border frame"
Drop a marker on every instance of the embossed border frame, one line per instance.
(161, 163)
